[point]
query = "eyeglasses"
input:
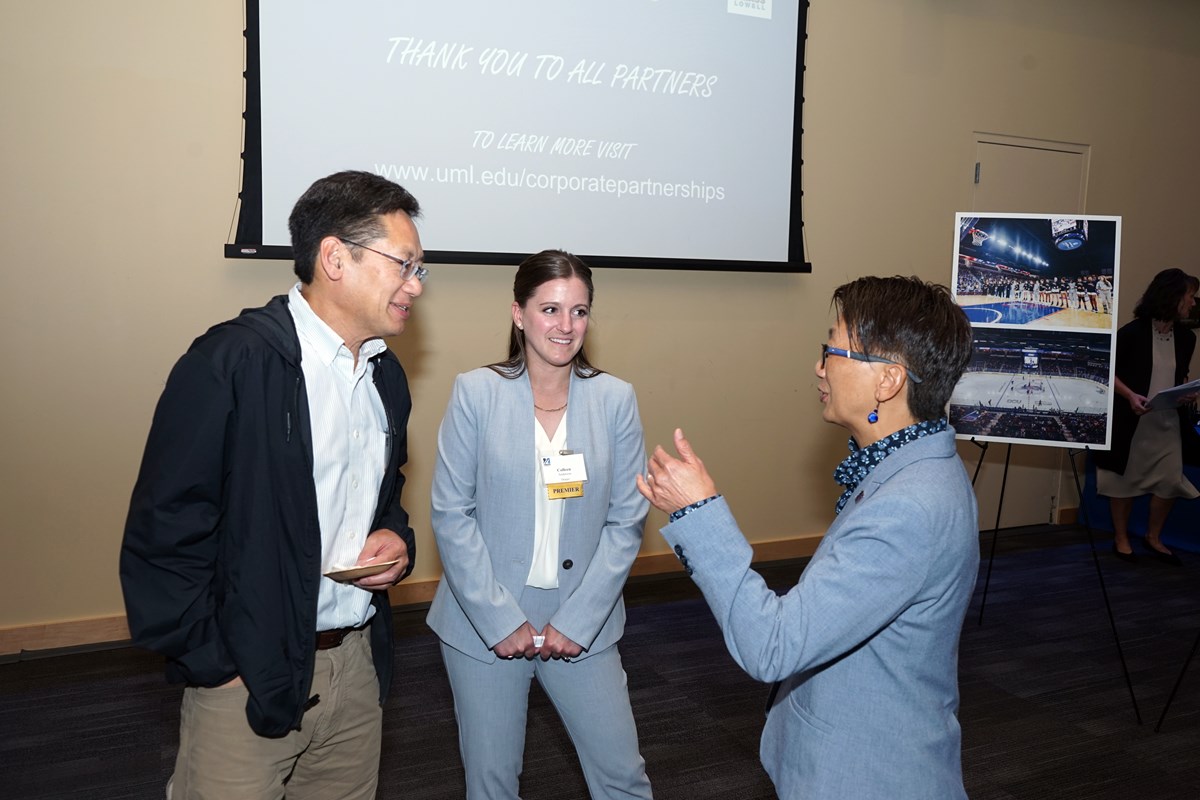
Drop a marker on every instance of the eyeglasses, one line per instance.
(409, 269)
(826, 350)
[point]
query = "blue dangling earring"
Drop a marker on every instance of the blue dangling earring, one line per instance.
(873, 417)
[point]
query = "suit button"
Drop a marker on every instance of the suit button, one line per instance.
(568, 564)
(678, 549)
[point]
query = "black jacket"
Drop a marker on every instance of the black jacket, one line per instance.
(221, 560)
(1134, 366)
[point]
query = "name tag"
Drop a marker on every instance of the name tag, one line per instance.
(563, 468)
(563, 475)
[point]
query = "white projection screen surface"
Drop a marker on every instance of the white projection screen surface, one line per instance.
(635, 133)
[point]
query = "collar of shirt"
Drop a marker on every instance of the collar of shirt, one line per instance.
(321, 338)
(858, 465)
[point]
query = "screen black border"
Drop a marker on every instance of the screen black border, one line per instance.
(247, 241)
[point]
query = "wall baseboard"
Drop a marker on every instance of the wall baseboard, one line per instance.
(114, 629)
(56, 635)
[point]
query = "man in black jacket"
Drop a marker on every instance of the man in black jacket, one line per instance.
(273, 462)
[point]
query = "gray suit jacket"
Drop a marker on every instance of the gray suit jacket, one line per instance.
(866, 643)
(483, 511)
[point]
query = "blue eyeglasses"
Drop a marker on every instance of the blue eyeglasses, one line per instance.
(827, 350)
(409, 269)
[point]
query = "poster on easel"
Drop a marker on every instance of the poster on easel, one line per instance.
(1040, 291)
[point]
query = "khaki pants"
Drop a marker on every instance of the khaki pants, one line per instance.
(335, 754)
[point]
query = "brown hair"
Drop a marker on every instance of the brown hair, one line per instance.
(1161, 299)
(540, 268)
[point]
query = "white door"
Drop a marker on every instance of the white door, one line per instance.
(1013, 174)
(1021, 175)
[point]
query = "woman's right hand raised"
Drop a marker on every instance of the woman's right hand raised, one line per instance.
(519, 643)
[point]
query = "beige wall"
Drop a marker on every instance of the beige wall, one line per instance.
(119, 167)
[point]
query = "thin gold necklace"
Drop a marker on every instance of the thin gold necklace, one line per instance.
(549, 410)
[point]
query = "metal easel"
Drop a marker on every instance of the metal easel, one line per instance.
(1073, 452)
(1178, 681)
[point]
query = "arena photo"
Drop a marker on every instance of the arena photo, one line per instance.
(1039, 272)
(1049, 388)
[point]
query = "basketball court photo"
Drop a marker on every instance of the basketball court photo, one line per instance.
(1041, 272)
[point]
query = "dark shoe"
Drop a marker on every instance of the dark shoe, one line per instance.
(1130, 556)
(1159, 555)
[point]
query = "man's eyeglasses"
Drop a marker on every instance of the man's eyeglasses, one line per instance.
(827, 350)
(409, 269)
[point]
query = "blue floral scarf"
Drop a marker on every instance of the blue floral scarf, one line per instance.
(858, 465)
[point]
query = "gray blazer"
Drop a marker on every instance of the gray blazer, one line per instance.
(866, 643)
(483, 511)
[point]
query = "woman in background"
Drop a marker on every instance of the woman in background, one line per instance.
(538, 520)
(1153, 353)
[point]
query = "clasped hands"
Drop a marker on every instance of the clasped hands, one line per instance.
(519, 644)
(670, 484)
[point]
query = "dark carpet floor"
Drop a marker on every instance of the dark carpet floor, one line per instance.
(1045, 710)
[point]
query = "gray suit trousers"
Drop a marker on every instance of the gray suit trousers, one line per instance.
(491, 702)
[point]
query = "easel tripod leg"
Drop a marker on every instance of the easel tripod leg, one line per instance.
(1103, 588)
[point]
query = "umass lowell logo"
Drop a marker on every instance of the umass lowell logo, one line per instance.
(750, 8)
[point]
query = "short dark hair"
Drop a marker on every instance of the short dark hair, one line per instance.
(1161, 299)
(348, 205)
(916, 324)
(535, 270)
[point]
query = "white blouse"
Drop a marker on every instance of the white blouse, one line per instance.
(547, 514)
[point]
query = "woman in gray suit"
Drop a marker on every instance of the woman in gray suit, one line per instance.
(538, 520)
(865, 646)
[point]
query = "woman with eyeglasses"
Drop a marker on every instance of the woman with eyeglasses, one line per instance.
(864, 648)
(538, 520)
(1153, 353)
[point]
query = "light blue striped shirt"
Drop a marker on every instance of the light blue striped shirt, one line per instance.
(349, 438)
